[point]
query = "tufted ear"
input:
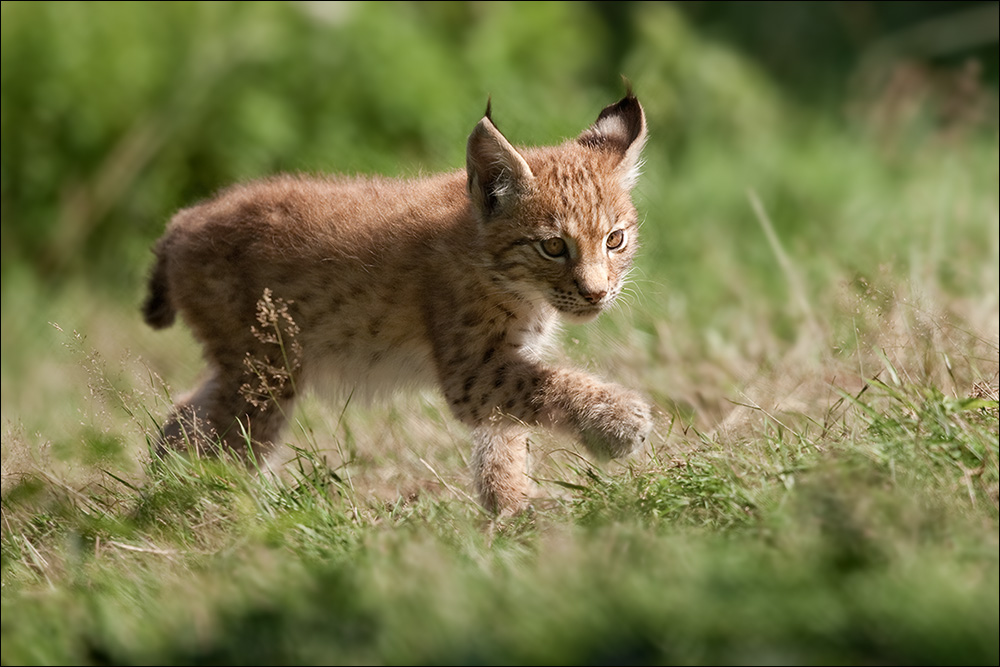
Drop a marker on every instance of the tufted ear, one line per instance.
(497, 173)
(620, 131)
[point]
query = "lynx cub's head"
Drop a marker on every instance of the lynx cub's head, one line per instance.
(557, 224)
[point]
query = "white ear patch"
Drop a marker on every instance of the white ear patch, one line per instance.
(620, 131)
(612, 127)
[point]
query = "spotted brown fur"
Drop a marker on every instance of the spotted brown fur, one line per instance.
(380, 283)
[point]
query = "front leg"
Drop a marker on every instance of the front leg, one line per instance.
(500, 466)
(610, 420)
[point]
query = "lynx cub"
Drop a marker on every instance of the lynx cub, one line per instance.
(456, 279)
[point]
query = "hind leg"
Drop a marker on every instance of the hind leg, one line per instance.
(235, 409)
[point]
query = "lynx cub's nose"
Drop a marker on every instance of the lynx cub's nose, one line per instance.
(592, 296)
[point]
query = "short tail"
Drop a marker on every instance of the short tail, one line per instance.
(158, 310)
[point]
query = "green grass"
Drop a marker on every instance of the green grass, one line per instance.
(784, 548)
(836, 504)
(814, 315)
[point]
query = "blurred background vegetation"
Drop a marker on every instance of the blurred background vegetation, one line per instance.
(114, 114)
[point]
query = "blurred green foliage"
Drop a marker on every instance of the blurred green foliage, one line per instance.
(809, 46)
(115, 114)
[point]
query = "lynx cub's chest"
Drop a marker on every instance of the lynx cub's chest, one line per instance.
(456, 280)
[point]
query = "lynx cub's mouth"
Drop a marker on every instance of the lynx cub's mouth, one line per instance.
(291, 279)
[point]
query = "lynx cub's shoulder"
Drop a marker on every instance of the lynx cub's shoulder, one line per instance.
(456, 280)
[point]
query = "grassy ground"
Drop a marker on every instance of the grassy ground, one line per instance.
(815, 316)
(822, 487)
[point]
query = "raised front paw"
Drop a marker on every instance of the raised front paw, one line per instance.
(615, 423)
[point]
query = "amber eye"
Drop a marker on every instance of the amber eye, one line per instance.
(553, 247)
(616, 239)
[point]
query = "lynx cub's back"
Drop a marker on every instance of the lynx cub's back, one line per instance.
(456, 280)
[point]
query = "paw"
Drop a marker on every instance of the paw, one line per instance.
(617, 424)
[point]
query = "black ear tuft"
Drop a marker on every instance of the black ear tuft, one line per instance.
(628, 86)
(489, 108)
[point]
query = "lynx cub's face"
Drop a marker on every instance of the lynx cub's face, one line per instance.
(453, 280)
(575, 250)
(561, 223)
